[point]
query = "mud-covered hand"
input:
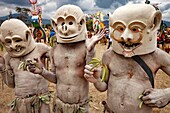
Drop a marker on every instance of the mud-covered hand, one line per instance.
(35, 66)
(2, 63)
(92, 74)
(91, 42)
(156, 97)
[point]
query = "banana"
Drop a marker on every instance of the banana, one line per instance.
(95, 65)
(21, 65)
(105, 73)
(140, 96)
(140, 104)
(94, 60)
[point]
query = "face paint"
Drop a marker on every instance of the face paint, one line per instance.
(16, 38)
(134, 29)
(69, 24)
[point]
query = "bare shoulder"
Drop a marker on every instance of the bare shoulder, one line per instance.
(161, 56)
(42, 47)
(6, 56)
(108, 55)
(160, 53)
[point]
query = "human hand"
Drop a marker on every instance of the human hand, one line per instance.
(91, 75)
(35, 66)
(91, 42)
(156, 97)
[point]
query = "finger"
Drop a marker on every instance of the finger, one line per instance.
(151, 105)
(148, 91)
(102, 32)
(90, 78)
(88, 67)
(146, 98)
(88, 72)
(32, 69)
(149, 102)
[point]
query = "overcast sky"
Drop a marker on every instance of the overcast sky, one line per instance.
(88, 6)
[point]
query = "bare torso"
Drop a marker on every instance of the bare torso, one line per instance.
(26, 82)
(69, 61)
(127, 80)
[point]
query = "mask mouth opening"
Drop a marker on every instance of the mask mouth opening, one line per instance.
(17, 50)
(69, 37)
(129, 46)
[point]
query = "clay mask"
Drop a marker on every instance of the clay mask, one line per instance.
(69, 24)
(134, 29)
(16, 38)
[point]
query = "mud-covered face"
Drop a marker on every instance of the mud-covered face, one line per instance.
(69, 24)
(134, 29)
(16, 38)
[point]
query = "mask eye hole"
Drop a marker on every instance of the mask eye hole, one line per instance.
(63, 23)
(120, 29)
(135, 29)
(8, 41)
(18, 40)
(70, 23)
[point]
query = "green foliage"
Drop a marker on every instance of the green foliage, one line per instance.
(89, 25)
(53, 40)
(1, 47)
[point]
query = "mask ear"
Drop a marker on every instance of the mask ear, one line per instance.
(54, 24)
(81, 21)
(156, 21)
(28, 36)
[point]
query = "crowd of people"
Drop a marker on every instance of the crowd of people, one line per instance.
(127, 69)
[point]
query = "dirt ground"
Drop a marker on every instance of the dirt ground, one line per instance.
(162, 81)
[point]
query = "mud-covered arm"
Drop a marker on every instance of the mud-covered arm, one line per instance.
(90, 44)
(6, 71)
(159, 97)
(42, 65)
(163, 59)
(95, 76)
(103, 85)
(50, 75)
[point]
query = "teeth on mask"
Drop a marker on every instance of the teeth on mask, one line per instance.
(18, 49)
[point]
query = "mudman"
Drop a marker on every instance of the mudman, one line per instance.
(132, 62)
(68, 59)
(31, 90)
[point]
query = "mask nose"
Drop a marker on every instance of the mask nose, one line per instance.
(13, 45)
(127, 36)
(64, 28)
